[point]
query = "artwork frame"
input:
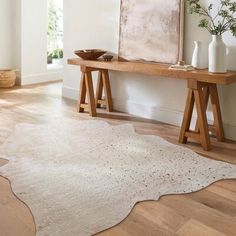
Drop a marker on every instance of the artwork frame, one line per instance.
(136, 46)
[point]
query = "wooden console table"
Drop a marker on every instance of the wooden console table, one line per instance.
(202, 86)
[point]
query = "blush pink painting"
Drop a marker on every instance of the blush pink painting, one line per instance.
(151, 30)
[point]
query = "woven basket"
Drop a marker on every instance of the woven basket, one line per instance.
(7, 78)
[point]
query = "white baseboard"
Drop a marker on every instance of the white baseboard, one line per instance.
(71, 93)
(150, 112)
(161, 114)
(50, 76)
(230, 131)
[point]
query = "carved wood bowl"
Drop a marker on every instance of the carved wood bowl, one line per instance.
(90, 54)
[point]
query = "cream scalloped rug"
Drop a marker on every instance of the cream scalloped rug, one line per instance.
(81, 177)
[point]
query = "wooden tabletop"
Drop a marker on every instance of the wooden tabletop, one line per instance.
(157, 69)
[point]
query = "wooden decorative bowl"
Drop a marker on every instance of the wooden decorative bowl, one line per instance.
(90, 54)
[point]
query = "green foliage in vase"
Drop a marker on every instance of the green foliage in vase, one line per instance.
(216, 20)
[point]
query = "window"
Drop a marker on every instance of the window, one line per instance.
(55, 33)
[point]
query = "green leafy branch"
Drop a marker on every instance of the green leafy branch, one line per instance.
(56, 54)
(224, 20)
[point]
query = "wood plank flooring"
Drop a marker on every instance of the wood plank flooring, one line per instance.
(210, 212)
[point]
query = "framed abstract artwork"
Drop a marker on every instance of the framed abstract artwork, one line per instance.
(151, 30)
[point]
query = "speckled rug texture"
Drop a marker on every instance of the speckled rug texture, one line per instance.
(82, 177)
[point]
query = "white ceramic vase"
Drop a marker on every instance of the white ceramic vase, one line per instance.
(217, 55)
(197, 59)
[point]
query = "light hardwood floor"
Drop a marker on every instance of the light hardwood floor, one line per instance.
(210, 212)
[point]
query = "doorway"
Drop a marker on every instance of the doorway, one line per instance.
(55, 34)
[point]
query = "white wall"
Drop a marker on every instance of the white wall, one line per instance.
(5, 34)
(95, 24)
(16, 38)
(34, 43)
(88, 24)
(23, 40)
